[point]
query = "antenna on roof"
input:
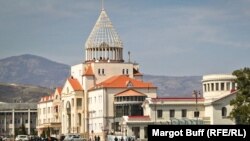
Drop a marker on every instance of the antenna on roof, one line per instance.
(102, 4)
(129, 56)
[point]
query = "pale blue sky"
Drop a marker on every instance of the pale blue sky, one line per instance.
(166, 37)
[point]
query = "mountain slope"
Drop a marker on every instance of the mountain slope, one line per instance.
(39, 71)
(22, 93)
(31, 69)
(173, 86)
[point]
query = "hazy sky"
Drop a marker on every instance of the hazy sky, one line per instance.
(166, 37)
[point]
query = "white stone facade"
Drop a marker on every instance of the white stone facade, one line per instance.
(13, 115)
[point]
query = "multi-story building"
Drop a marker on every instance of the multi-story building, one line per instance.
(100, 90)
(49, 113)
(210, 107)
(14, 115)
(107, 95)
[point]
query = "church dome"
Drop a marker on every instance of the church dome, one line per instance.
(103, 33)
(103, 43)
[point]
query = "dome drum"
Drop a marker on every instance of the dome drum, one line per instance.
(103, 43)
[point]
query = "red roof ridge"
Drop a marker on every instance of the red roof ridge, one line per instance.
(88, 71)
(125, 93)
(121, 81)
(75, 84)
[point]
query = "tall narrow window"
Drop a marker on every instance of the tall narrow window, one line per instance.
(159, 113)
(212, 86)
(184, 113)
(228, 86)
(172, 113)
(217, 86)
(102, 71)
(224, 112)
(222, 85)
(99, 71)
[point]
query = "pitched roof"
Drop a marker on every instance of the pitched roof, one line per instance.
(59, 89)
(130, 92)
(75, 84)
(123, 81)
(103, 32)
(231, 94)
(88, 71)
(136, 72)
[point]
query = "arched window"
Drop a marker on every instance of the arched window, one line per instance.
(223, 111)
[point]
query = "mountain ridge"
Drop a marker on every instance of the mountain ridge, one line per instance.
(39, 71)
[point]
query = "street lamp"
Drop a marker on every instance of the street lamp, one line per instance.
(196, 94)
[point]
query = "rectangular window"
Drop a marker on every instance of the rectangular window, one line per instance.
(184, 113)
(222, 86)
(212, 86)
(217, 86)
(196, 114)
(79, 102)
(228, 86)
(159, 113)
(172, 113)
(205, 87)
(208, 87)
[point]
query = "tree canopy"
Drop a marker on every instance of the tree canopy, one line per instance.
(241, 104)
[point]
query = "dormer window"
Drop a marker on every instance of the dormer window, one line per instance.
(129, 84)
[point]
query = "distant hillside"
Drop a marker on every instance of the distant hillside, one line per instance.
(39, 71)
(34, 70)
(22, 93)
(172, 86)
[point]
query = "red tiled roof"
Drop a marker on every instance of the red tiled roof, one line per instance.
(59, 89)
(141, 118)
(88, 71)
(75, 84)
(122, 81)
(130, 93)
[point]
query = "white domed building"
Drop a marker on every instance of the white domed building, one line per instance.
(99, 91)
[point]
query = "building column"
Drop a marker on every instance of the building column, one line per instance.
(5, 123)
(29, 121)
(13, 121)
(141, 132)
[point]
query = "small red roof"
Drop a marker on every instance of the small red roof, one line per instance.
(123, 81)
(130, 92)
(59, 89)
(88, 71)
(141, 118)
(75, 84)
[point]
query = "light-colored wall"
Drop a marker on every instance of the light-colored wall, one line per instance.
(217, 111)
